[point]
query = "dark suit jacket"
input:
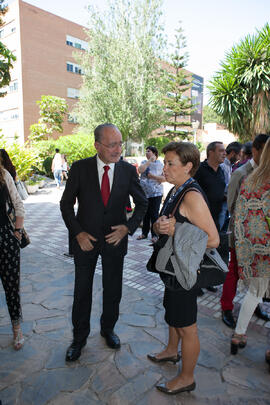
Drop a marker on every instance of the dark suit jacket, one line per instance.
(92, 216)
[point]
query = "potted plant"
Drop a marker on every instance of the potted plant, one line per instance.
(40, 180)
(31, 186)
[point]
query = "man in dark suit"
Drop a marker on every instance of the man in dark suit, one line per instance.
(101, 185)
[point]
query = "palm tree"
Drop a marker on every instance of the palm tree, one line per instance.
(240, 91)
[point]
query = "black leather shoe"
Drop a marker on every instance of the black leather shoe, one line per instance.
(162, 387)
(228, 319)
(261, 314)
(111, 338)
(212, 289)
(74, 351)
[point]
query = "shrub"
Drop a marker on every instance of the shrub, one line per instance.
(23, 158)
(75, 147)
(159, 142)
(47, 164)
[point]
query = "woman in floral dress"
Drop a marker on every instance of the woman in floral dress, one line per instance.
(252, 242)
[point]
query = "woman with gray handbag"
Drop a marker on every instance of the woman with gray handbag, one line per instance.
(10, 252)
(181, 161)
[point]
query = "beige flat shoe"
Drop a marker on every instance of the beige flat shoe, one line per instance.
(18, 339)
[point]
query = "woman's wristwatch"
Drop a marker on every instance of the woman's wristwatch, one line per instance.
(19, 230)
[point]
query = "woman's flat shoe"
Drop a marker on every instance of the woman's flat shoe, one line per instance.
(141, 237)
(18, 340)
(172, 359)
(162, 387)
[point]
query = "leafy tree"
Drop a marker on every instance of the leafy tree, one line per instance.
(240, 90)
(123, 83)
(159, 142)
(6, 57)
(178, 105)
(52, 110)
(209, 115)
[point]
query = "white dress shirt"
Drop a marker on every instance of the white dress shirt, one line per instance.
(100, 168)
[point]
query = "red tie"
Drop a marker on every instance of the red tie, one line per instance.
(105, 186)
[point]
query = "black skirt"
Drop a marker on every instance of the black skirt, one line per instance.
(180, 307)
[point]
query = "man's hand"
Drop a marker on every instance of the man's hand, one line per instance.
(84, 240)
(165, 225)
(119, 231)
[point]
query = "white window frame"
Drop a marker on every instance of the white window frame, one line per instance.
(76, 42)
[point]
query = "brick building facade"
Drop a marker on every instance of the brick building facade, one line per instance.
(44, 45)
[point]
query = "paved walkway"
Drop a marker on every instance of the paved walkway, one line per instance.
(38, 373)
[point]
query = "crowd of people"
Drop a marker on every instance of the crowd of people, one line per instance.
(232, 186)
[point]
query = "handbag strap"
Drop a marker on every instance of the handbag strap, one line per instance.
(182, 197)
(9, 200)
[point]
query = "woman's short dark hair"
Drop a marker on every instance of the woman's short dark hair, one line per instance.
(187, 152)
(153, 149)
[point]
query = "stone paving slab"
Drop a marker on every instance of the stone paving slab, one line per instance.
(38, 374)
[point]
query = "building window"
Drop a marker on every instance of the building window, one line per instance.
(1, 33)
(14, 116)
(73, 93)
(13, 86)
(76, 42)
(72, 67)
(69, 67)
(9, 115)
(13, 29)
(72, 119)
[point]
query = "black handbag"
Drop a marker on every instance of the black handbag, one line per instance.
(25, 240)
(211, 272)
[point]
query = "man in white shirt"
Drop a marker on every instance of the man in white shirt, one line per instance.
(57, 167)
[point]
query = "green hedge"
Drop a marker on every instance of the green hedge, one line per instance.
(75, 147)
(23, 158)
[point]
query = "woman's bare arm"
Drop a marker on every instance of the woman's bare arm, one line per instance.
(143, 166)
(195, 209)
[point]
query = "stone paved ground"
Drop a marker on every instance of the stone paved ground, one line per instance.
(38, 373)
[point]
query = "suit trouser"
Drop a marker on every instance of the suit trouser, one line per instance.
(151, 214)
(112, 271)
(230, 285)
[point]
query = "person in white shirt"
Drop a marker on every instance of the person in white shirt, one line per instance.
(57, 167)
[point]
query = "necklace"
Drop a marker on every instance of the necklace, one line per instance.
(175, 193)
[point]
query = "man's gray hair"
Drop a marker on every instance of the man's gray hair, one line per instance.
(99, 129)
